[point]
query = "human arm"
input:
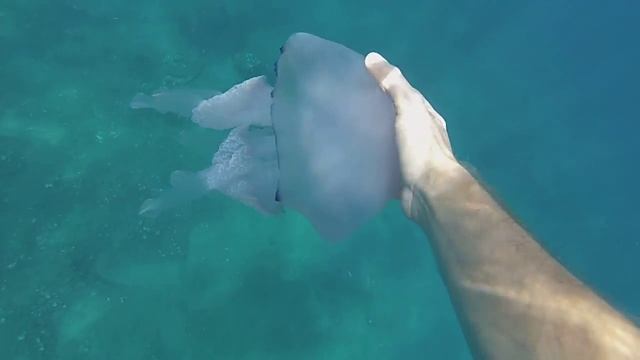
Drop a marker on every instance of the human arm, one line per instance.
(513, 300)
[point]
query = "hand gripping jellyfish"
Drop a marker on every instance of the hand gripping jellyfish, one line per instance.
(320, 141)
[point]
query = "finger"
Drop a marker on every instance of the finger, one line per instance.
(390, 79)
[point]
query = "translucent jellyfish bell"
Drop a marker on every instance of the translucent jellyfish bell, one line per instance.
(335, 134)
(321, 141)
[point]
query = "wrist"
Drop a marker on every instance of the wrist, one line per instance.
(441, 179)
(434, 182)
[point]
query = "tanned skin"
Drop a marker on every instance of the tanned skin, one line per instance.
(513, 300)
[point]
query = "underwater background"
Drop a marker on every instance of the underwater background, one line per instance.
(540, 97)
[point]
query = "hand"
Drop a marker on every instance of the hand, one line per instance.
(425, 152)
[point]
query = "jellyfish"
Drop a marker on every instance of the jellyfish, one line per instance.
(319, 141)
(177, 101)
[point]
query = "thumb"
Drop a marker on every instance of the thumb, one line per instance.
(389, 78)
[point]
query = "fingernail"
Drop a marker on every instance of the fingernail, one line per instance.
(373, 58)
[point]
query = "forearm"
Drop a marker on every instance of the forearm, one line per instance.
(513, 299)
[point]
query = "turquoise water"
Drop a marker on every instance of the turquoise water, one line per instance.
(540, 99)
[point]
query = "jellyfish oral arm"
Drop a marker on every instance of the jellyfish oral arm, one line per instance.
(178, 101)
(245, 167)
(248, 103)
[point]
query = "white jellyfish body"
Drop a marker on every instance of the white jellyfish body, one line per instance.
(321, 141)
(335, 131)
